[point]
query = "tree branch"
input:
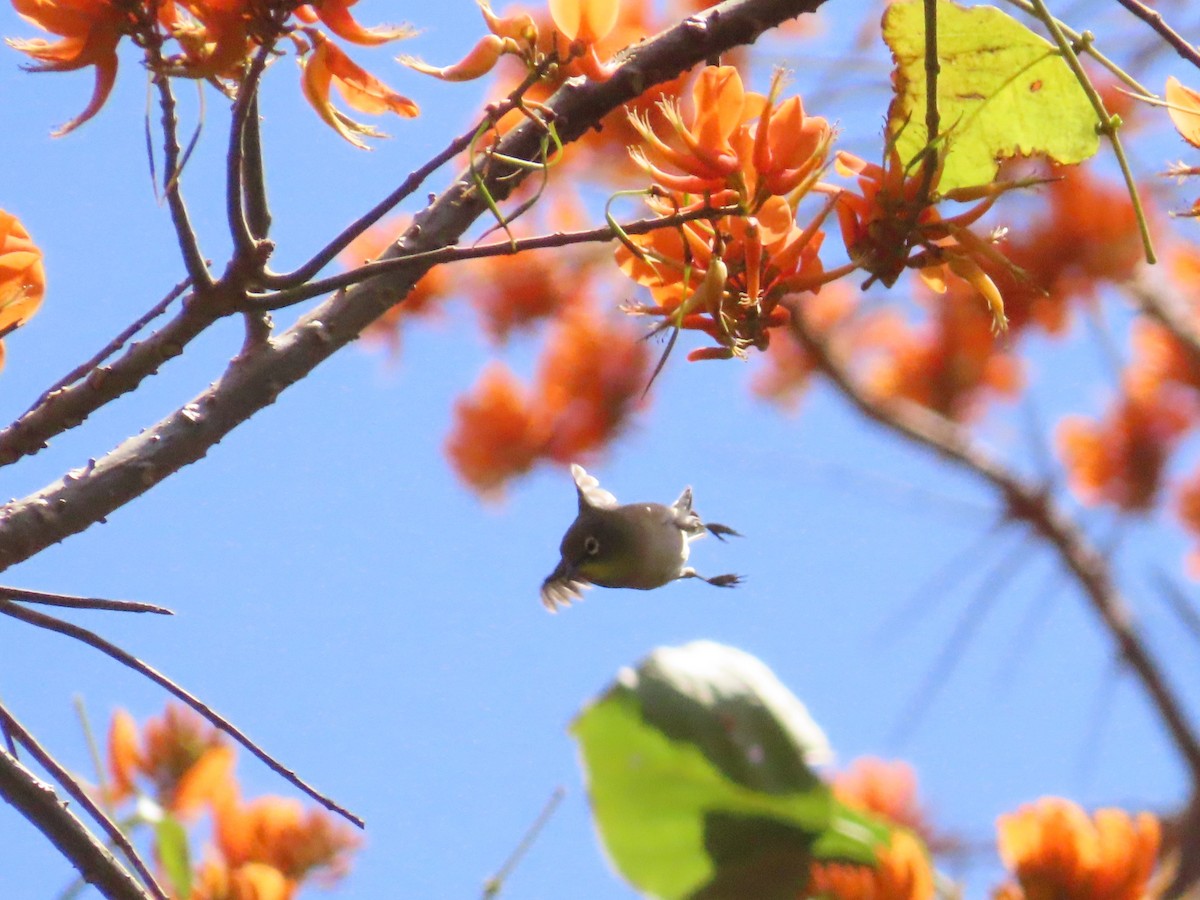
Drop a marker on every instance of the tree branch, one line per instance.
(254, 380)
(1033, 505)
(37, 802)
(50, 623)
(68, 783)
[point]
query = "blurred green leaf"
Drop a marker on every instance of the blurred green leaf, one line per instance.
(699, 778)
(174, 855)
(1002, 91)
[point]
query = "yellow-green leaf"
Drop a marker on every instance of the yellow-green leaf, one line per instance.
(1002, 91)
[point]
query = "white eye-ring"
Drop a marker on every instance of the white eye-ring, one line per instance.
(591, 545)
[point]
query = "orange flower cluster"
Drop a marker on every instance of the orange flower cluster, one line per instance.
(214, 40)
(22, 276)
(1183, 105)
(1120, 460)
(893, 224)
(789, 367)
(887, 790)
(266, 848)
(902, 872)
(726, 276)
(573, 35)
(946, 365)
(589, 381)
(1056, 850)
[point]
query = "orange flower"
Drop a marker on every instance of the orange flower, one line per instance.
(1056, 851)
(251, 881)
(707, 157)
(188, 763)
(893, 224)
(950, 364)
(1120, 459)
(515, 35)
(495, 436)
(22, 276)
(726, 279)
(277, 832)
(589, 381)
(90, 31)
(887, 789)
(1184, 109)
(336, 16)
(327, 65)
(903, 872)
(585, 23)
(788, 366)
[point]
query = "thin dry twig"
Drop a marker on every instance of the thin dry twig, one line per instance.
(501, 248)
(115, 344)
(68, 783)
(1154, 19)
(71, 601)
(50, 623)
(407, 188)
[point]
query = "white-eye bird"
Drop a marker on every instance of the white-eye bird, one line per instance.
(638, 545)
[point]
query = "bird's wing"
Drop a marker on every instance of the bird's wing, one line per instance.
(590, 492)
(687, 519)
(561, 591)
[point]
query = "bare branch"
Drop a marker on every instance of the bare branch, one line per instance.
(36, 801)
(1028, 503)
(72, 602)
(41, 620)
(115, 344)
(501, 248)
(1154, 19)
(68, 783)
(254, 380)
(68, 407)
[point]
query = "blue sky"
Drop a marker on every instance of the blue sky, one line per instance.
(343, 598)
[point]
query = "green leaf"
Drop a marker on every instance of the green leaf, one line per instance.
(698, 773)
(174, 855)
(1002, 91)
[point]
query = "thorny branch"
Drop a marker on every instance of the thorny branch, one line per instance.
(1033, 505)
(68, 783)
(36, 801)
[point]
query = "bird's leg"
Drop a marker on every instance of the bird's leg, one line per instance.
(719, 531)
(715, 581)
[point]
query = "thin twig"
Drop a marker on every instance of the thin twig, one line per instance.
(245, 242)
(70, 406)
(9, 594)
(68, 783)
(1031, 504)
(1107, 125)
(115, 344)
(189, 245)
(37, 802)
(1154, 19)
(495, 884)
(501, 248)
(933, 116)
(1084, 42)
(41, 620)
(409, 186)
(990, 590)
